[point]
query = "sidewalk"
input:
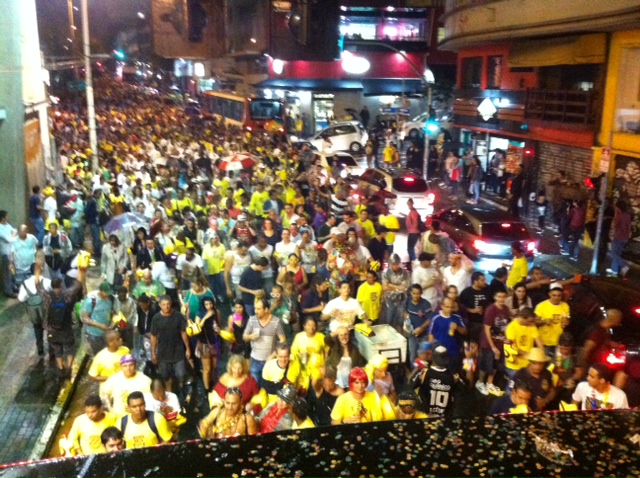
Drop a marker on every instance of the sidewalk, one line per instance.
(550, 254)
(32, 396)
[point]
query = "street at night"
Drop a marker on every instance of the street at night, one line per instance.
(319, 238)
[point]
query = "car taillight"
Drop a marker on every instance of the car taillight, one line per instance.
(431, 197)
(531, 246)
(480, 245)
(616, 358)
(409, 180)
(249, 128)
(637, 310)
(505, 225)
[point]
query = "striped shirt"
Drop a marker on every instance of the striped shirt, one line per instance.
(265, 345)
(338, 205)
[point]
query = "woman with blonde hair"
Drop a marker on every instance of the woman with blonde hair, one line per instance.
(237, 376)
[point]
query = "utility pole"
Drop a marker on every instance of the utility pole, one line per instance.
(91, 112)
(605, 164)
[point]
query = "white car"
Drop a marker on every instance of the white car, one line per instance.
(414, 128)
(348, 164)
(405, 184)
(343, 136)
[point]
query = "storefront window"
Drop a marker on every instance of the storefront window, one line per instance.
(628, 101)
(494, 72)
(472, 73)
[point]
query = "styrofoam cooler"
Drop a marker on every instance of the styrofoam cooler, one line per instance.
(386, 341)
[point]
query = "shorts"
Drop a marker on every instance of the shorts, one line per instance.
(168, 369)
(207, 350)
(62, 343)
(488, 363)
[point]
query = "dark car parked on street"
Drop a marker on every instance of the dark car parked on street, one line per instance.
(485, 235)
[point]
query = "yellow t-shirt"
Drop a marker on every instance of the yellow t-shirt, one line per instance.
(105, 363)
(392, 224)
(309, 352)
(305, 424)
(140, 435)
(213, 257)
(522, 338)
(551, 315)
(85, 433)
(370, 296)
(346, 406)
(518, 272)
(118, 388)
(257, 203)
(369, 228)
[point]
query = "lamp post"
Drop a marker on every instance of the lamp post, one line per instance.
(426, 77)
(91, 112)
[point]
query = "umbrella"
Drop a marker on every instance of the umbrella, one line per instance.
(237, 162)
(124, 222)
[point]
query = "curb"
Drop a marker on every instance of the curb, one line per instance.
(44, 443)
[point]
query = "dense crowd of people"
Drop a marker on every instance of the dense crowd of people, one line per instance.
(304, 270)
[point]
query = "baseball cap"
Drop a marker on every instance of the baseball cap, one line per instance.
(555, 286)
(128, 359)
(440, 356)
(105, 287)
(425, 347)
(395, 259)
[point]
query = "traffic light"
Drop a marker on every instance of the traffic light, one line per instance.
(596, 183)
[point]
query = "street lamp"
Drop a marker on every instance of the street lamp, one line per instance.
(91, 112)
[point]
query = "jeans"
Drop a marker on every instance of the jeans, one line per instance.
(475, 190)
(617, 263)
(38, 225)
(96, 342)
(77, 237)
(414, 342)
(412, 240)
(7, 277)
(95, 240)
(256, 370)
(218, 287)
(571, 242)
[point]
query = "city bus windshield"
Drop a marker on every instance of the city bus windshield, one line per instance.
(266, 110)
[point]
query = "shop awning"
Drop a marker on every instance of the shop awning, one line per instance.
(293, 84)
(369, 87)
(391, 86)
(573, 50)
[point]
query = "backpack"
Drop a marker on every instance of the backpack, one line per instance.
(35, 305)
(152, 424)
(422, 227)
(58, 313)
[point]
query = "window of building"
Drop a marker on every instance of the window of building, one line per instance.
(472, 73)
(628, 100)
(380, 24)
(494, 72)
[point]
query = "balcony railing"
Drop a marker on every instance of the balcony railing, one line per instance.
(564, 106)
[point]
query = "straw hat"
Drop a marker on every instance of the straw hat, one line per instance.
(537, 355)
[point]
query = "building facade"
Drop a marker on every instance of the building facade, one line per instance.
(543, 83)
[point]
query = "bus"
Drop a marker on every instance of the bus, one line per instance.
(248, 112)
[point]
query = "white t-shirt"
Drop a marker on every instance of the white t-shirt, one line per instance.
(154, 405)
(31, 284)
(51, 206)
(284, 251)
(267, 252)
(164, 275)
(423, 276)
(461, 279)
(585, 394)
(188, 268)
(348, 311)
